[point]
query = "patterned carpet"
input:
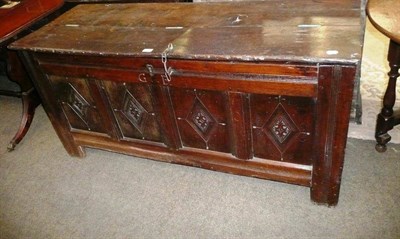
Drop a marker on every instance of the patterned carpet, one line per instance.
(373, 85)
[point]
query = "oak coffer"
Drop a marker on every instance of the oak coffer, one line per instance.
(260, 89)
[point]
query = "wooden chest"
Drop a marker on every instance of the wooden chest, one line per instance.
(254, 89)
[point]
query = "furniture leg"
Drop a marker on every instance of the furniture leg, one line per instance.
(30, 100)
(386, 120)
(29, 96)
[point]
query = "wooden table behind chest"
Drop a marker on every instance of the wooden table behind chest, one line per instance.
(244, 90)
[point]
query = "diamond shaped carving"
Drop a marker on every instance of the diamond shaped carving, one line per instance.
(201, 119)
(133, 110)
(280, 127)
(78, 103)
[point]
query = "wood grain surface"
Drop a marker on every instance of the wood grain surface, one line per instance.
(325, 32)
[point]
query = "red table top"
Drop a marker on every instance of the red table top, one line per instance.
(17, 18)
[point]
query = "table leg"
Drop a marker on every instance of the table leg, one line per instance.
(30, 98)
(386, 120)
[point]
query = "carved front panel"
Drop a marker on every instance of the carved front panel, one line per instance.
(201, 118)
(282, 128)
(132, 105)
(78, 104)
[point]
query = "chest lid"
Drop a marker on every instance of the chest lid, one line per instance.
(301, 31)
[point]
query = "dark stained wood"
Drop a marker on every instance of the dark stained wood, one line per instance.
(136, 119)
(121, 1)
(293, 173)
(239, 116)
(201, 118)
(384, 16)
(166, 117)
(54, 111)
(252, 89)
(14, 21)
(201, 34)
(282, 127)
(29, 96)
(332, 117)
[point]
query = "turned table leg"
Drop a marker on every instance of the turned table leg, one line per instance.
(386, 120)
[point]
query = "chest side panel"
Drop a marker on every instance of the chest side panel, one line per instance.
(79, 103)
(201, 118)
(132, 107)
(105, 96)
(241, 114)
(283, 127)
(250, 111)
